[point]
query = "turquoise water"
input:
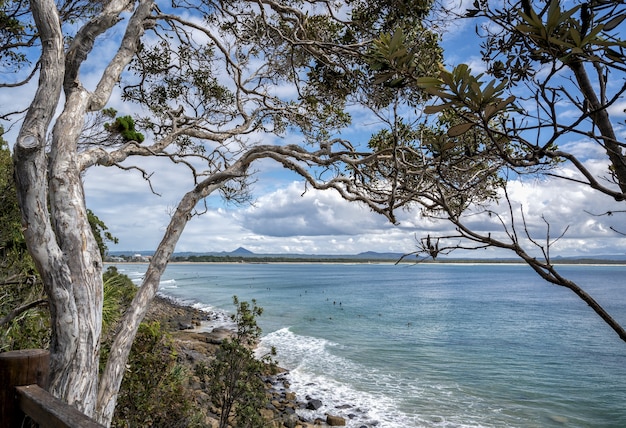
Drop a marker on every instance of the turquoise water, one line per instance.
(431, 345)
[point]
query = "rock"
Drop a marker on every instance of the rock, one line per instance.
(267, 414)
(185, 325)
(290, 396)
(219, 334)
(335, 421)
(290, 421)
(314, 404)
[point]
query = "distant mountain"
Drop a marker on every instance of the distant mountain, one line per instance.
(369, 255)
(374, 255)
(240, 252)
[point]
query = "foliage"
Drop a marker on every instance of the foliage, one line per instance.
(100, 233)
(233, 379)
(31, 328)
(19, 284)
(18, 32)
(153, 393)
(552, 67)
(118, 292)
(125, 126)
(14, 258)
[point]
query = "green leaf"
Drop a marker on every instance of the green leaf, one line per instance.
(428, 82)
(614, 22)
(461, 129)
(436, 108)
(575, 36)
(554, 14)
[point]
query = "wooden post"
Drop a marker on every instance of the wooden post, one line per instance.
(17, 368)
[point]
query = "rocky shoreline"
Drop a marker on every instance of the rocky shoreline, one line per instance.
(195, 345)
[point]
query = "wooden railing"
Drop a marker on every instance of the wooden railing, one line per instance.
(23, 379)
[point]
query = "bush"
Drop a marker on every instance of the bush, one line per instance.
(233, 379)
(118, 292)
(153, 390)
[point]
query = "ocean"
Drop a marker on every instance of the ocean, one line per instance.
(430, 345)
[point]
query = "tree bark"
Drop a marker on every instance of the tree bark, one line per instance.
(111, 378)
(74, 379)
(601, 119)
(31, 168)
(52, 200)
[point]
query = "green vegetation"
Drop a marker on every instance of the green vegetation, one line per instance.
(125, 126)
(118, 292)
(153, 390)
(24, 319)
(233, 378)
(100, 232)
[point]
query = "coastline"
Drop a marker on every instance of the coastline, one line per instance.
(197, 341)
(490, 262)
(333, 363)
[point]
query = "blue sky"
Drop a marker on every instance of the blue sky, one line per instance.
(282, 219)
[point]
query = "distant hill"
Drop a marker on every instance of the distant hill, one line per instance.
(242, 252)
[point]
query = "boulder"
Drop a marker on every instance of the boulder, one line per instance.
(290, 421)
(314, 404)
(182, 325)
(335, 421)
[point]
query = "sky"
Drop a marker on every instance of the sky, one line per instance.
(283, 218)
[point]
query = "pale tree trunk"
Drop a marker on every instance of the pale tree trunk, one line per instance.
(111, 378)
(52, 201)
(64, 251)
(75, 378)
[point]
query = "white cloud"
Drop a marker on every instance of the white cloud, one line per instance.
(284, 219)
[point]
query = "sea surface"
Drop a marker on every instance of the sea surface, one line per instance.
(430, 345)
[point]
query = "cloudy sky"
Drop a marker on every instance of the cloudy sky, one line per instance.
(283, 219)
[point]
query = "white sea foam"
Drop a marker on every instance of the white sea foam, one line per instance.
(317, 373)
(364, 397)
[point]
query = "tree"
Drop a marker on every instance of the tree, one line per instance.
(203, 80)
(24, 320)
(100, 233)
(233, 378)
(546, 62)
(24, 316)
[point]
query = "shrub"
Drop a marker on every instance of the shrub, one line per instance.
(233, 379)
(153, 390)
